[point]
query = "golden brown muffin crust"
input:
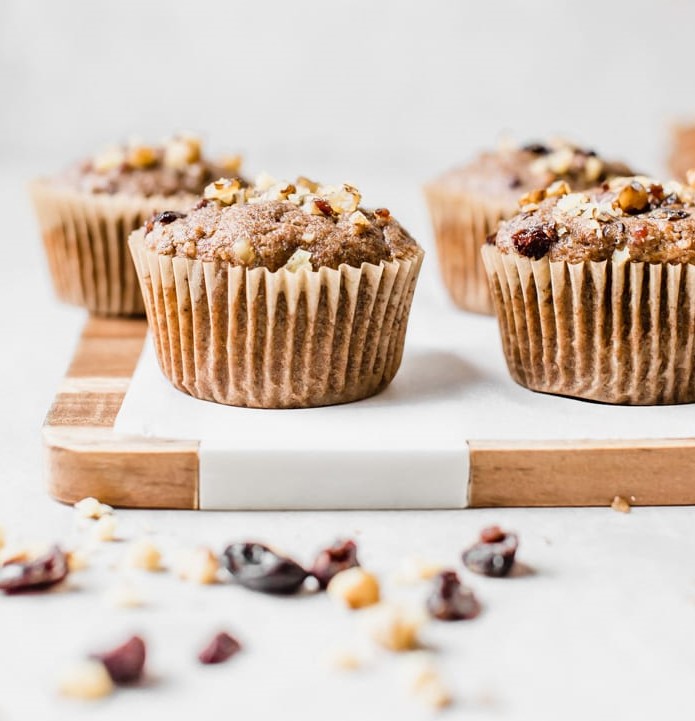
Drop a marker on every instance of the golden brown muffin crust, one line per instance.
(640, 217)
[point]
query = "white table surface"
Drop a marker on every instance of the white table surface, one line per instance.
(603, 629)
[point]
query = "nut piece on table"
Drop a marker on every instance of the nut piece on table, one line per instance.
(123, 595)
(334, 559)
(92, 508)
(87, 680)
(494, 553)
(105, 529)
(428, 686)
(346, 660)
(221, 647)
(414, 569)
(198, 566)
(450, 600)
(126, 662)
(620, 504)
(393, 627)
(355, 587)
(143, 554)
(78, 560)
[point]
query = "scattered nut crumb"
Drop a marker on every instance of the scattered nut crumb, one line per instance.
(427, 685)
(92, 508)
(143, 554)
(346, 660)
(105, 529)
(414, 569)
(123, 595)
(355, 587)
(77, 560)
(393, 627)
(109, 159)
(181, 151)
(198, 566)
(86, 680)
(621, 504)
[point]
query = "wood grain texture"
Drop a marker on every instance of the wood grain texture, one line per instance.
(86, 457)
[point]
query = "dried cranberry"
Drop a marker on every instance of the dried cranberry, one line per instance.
(126, 662)
(42, 572)
(168, 216)
(202, 203)
(450, 600)
(494, 554)
(331, 561)
(534, 242)
(324, 206)
(222, 647)
(656, 191)
(536, 148)
(491, 239)
(257, 567)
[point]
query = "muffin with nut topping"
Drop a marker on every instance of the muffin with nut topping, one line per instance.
(87, 213)
(467, 203)
(277, 294)
(595, 291)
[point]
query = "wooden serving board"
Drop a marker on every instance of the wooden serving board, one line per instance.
(87, 457)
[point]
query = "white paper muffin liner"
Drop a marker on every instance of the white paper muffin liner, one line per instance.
(251, 337)
(612, 331)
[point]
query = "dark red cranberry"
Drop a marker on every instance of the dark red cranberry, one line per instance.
(222, 647)
(168, 216)
(202, 203)
(126, 662)
(36, 575)
(536, 148)
(494, 554)
(450, 600)
(491, 239)
(334, 559)
(257, 567)
(324, 206)
(534, 242)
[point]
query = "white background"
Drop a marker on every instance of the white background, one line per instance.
(382, 94)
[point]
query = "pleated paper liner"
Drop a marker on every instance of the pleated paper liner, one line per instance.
(276, 339)
(461, 224)
(85, 239)
(612, 331)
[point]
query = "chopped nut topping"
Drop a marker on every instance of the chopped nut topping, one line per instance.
(317, 206)
(143, 554)
(198, 566)
(87, 680)
(343, 200)
(182, 151)
(593, 168)
(123, 595)
(306, 184)
(92, 508)
(355, 587)
(558, 188)
(109, 159)
(141, 156)
(572, 202)
(232, 163)
(620, 504)
(243, 251)
(224, 191)
(533, 197)
(633, 198)
(299, 260)
(264, 182)
(560, 161)
(359, 221)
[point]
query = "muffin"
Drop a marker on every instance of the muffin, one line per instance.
(277, 295)
(595, 291)
(467, 203)
(682, 154)
(87, 213)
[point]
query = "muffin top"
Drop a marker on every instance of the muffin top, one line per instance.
(275, 224)
(174, 167)
(638, 217)
(511, 171)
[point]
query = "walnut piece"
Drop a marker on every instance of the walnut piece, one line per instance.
(299, 260)
(104, 529)
(109, 159)
(355, 587)
(198, 566)
(393, 627)
(87, 680)
(224, 191)
(182, 151)
(91, 508)
(144, 555)
(620, 504)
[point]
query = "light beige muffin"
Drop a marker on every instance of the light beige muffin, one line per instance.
(595, 291)
(277, 295)
(87, 213)
(467, 203)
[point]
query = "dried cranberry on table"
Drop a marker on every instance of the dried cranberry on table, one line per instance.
(334, 559)
(493, 554)
(259, 568)
(451, 600)
(221, 647)
(34, 575)
(126, 662)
